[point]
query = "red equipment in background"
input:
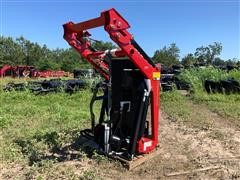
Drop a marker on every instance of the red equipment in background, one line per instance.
(29, 71)
(116, 26)
(45, 74)
(4, 70)
(17, 71)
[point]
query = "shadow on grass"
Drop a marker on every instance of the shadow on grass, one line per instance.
(55, 150)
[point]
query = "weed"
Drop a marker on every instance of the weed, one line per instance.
(89, 175)
(216, 134)
(99, 158)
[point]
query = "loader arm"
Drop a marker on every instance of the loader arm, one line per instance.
(116, 26)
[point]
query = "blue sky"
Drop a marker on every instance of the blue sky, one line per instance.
(154, 24)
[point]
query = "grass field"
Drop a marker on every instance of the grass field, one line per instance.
(182, 107)
(227, 106)
(32, 126)
(35, 128)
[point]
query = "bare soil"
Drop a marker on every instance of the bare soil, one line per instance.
(184, 149)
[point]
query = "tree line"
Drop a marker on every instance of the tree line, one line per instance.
(204, 55)
(21, 51)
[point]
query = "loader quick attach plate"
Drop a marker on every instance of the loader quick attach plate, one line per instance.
(137, 160)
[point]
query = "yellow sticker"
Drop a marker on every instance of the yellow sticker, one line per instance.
(156, 75)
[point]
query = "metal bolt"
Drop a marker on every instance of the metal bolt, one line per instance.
(118, 35)
(112, 26)
(119, 24)
(131, 51)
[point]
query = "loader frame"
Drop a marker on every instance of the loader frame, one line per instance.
(116, 26)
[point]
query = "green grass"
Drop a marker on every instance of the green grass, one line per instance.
(31, 126)
(53, 110)
(180, 108)
(192, 110)
(227, 106)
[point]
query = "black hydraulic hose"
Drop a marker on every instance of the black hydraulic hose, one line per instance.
(104, 107)
(94, 98)
(136, 45)
(137, 127)
(122, 110)
(144, 117)
(95, 91)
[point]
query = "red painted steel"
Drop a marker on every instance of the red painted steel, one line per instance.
(116, 26)
(30, 71)
(46, 74)
(4, 69)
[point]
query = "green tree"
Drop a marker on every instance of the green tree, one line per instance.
(238, 64)
(102, 46)
(188, 60)
(219, 62)
(167, 55)
(21, 51)
(71, 59)
(32, 52)
(232, 62)
(47, 64)
(10, 51)
(209, 53)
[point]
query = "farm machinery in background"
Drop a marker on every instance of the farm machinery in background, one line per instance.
(17, 71)
(223, 86)
(170, 79)
(40, 86)
(48, 86)
(29, 71)
(131, 83)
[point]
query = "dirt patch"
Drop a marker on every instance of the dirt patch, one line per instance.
(185, 149)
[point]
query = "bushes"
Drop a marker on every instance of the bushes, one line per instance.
(196, 77)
